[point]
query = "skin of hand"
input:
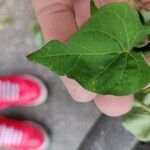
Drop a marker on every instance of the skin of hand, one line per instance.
(60, 19)
(144, 4)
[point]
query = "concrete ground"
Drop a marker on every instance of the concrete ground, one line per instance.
(72, 125)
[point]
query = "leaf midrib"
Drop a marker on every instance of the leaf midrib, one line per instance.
(108, 34)
(76, 54)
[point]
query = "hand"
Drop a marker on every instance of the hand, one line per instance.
(60, 19)
(143, 4)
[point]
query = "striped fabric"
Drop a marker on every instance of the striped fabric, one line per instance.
(9, 91)
(10, 136)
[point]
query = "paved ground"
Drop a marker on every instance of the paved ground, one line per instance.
(72, 125)
(108, 134)
(67, 120)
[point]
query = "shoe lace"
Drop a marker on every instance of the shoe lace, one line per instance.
(9, 91)
(10, 136)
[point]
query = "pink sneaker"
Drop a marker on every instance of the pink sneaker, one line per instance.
(21, 90)
(22, 135)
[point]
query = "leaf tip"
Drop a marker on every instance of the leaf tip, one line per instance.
(30, 57)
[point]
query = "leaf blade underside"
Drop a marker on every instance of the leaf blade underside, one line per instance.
(100, 55)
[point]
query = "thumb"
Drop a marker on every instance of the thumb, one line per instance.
(56, 18)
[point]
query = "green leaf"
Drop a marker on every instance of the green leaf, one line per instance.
(93, 8)
(100, 55)
(138, 120)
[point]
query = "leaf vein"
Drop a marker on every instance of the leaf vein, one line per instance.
(96, 30)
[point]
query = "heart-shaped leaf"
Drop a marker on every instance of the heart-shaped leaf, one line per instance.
(138, 120)
(100, 55)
